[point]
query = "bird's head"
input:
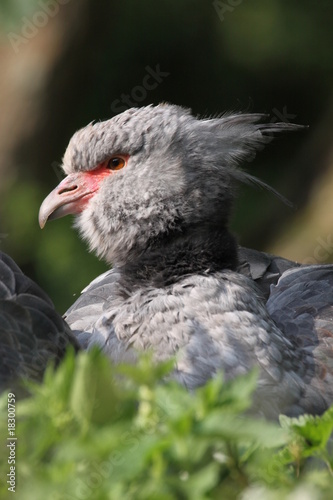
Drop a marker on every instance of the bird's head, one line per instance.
(152, 170)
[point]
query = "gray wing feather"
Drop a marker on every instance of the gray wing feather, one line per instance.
(263, 268)
(32, 333)
(301, 304)
(91, 305)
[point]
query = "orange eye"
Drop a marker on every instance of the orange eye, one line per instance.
(115, 163)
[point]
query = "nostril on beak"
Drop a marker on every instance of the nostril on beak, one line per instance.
(67, 189)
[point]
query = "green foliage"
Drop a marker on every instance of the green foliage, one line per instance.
(93, 430)
(12, 11)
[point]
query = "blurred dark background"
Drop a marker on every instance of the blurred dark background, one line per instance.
(65, 63)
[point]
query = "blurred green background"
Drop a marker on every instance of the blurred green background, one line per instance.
(65, 63)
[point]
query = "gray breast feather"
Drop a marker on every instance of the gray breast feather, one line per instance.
(208, 323)
(221, 322)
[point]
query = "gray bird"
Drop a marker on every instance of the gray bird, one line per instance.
(152, 190)
(32, 333)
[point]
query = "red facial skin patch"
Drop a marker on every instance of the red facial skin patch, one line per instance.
(73, 193)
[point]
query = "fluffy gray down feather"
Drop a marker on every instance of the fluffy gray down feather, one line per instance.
(179, 284)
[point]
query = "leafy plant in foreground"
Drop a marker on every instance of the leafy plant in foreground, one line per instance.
(97, 431)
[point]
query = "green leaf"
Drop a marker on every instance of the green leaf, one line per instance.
(94, 397)
(94, 430)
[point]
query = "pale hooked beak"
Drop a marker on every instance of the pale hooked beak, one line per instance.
(69, 197)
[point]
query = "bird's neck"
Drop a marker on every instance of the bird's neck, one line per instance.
(194, 250)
